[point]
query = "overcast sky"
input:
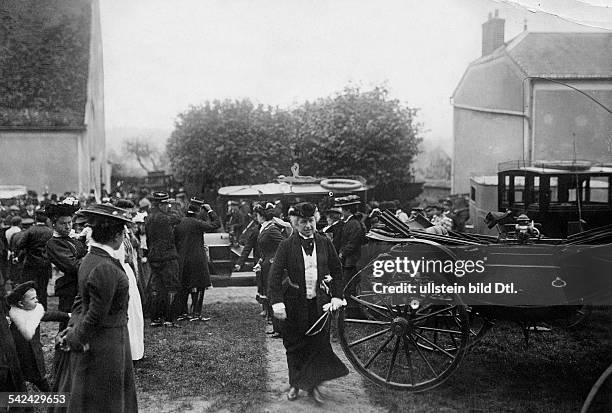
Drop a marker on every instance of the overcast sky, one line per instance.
(161, 56)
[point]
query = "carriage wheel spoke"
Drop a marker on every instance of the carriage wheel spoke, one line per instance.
(395, 349)
(360, 321)
(375, 308)
(371, 359)
(422, 309)
(371, 336)
(416, 346)
(436, 346)
(409, 359)
(440, 330)
(435, 313)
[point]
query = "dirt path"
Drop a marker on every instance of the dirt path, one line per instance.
(345, 394)
(342, 395)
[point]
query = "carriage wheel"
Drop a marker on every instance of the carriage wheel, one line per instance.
(406, 347)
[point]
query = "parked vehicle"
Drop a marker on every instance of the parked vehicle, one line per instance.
(563, 197)
(287, 190)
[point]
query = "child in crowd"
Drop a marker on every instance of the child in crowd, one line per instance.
(25, 315)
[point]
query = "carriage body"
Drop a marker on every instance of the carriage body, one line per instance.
(413, 338)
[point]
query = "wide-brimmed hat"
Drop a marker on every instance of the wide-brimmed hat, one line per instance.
(303, 210)
(106, 211)
(347, 200)
(17, 294)
(159, 196)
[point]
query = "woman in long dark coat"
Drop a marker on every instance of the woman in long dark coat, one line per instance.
(193, 263)
(102, 377)
(268, 240)
(298, 300)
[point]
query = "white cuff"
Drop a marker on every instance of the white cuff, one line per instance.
(278, 307)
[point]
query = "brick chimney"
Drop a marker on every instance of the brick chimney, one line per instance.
(492, 34)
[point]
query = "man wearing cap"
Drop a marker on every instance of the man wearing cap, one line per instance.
(66, 253)
(163, 260)
(36, 264)
(351, 239)
(299, 297)
(333, 230)
(193, 263)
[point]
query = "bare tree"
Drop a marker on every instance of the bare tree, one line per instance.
(146, 153)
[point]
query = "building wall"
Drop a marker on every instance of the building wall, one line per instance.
(569, 125)
(94, 170)
(40, 160)
(481, 141)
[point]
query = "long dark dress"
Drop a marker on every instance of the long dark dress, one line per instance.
(310, 359)
(102, 376)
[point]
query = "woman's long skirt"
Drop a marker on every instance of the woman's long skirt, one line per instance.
(311, 359)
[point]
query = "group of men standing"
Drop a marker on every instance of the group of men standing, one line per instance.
(177, 259)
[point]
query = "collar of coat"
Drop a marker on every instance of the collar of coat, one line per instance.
(104, 248)
(27, 321)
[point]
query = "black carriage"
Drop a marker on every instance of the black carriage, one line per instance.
(416, 326)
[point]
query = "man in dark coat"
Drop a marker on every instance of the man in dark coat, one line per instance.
(298, 300)
(351, 240)
(163, 260)
(36, 264)
(193, 264)
(66, 253)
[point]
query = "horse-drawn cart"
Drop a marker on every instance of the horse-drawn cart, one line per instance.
(426, 298)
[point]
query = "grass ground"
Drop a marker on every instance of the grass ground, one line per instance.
(553, 374)
(222, 361)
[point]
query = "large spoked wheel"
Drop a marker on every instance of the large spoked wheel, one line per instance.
(411, 343)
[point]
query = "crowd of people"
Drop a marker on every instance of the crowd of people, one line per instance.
(114, 263)
(121, 261)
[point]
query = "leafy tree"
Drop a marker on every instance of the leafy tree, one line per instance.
(354, 133)
(358, 133)
(230, 142)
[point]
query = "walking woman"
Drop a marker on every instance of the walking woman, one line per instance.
(102, 377)
(299, 298)
(268, 241)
